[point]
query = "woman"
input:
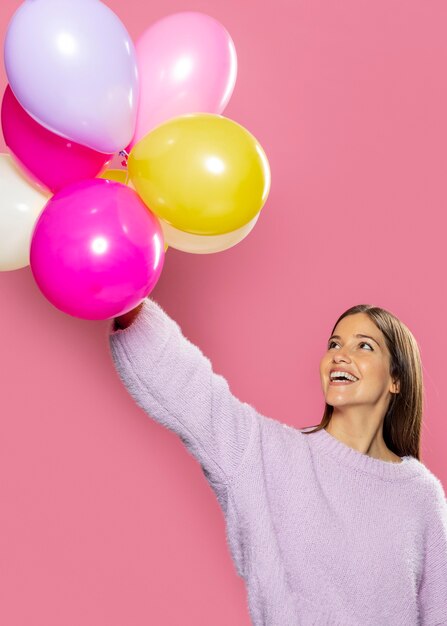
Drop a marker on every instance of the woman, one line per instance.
(339, 525)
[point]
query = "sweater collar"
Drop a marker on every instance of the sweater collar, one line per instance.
(326, 443)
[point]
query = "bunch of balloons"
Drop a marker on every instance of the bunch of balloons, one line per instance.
(81, 92)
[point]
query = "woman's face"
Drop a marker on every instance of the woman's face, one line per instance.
(366, 358)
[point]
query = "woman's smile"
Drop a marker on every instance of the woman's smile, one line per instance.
(337, 383)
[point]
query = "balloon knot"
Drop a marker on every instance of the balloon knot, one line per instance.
(124, 154)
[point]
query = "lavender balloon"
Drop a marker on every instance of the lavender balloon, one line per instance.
(96, 250)
(72, 66)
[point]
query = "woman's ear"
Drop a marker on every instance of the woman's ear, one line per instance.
(396, 386)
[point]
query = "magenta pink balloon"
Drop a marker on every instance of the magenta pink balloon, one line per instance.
(48, 159)
(187, 63)
(96, 250)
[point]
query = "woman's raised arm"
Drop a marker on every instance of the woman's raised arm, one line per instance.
(174, 383)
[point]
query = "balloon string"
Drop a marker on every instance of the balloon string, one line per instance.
(124, 154)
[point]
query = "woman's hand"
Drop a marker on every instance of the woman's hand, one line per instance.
(125, 320)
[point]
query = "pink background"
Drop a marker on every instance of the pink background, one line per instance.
(105, 518)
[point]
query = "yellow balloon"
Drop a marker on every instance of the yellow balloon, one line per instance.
(202, 173)
(120, 176)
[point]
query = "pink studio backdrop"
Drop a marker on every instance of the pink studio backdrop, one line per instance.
(106, 519)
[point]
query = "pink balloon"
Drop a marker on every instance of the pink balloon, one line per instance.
(96, 250)
(187, 64)
(48, 159)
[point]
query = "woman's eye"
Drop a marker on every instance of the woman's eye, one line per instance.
(362, 343)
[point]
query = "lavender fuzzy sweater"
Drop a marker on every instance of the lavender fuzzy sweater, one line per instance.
(319, 532)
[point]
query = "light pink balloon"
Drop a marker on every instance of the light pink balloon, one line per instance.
(186, 64)
(96, 250)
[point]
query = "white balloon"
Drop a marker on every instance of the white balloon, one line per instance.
(204, 244)
(21, 203)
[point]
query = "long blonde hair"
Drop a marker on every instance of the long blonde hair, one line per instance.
(403, 419)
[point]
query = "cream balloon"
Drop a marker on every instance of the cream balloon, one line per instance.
(21, 203)
(204, 244)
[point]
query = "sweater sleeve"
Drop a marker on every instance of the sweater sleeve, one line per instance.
(433, 585)
(174, 383)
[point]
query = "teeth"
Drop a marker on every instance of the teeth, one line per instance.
(348, 376)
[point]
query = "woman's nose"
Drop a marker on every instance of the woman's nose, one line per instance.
(341, 356)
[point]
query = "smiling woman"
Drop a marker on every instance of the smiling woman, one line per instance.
(380, 412)
(325, 528)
